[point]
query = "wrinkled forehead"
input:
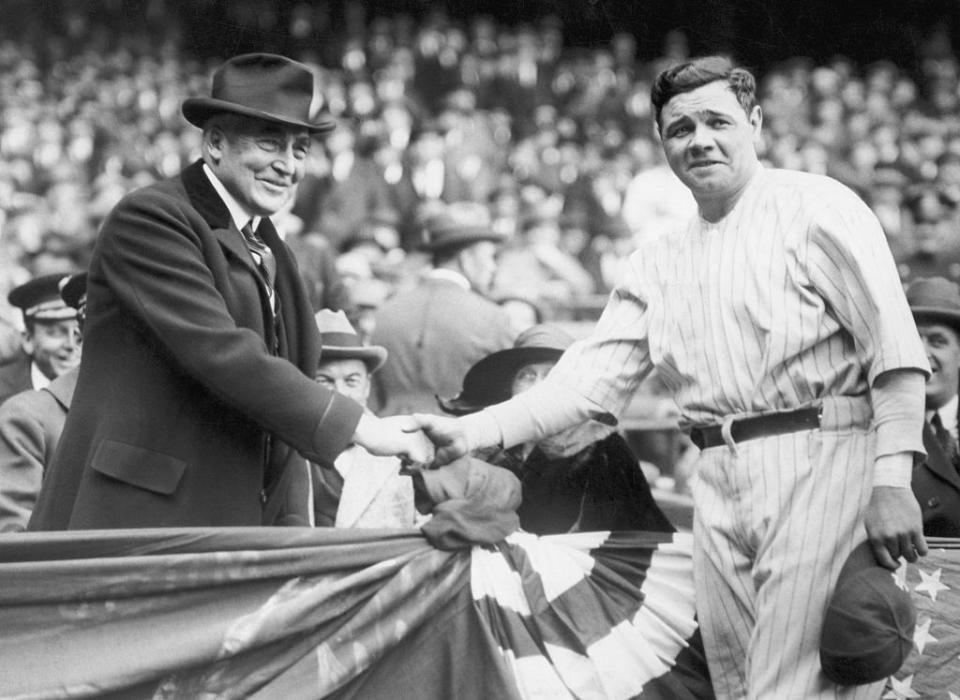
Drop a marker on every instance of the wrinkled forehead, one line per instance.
(713, 98)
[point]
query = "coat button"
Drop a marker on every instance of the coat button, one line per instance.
(933, 502)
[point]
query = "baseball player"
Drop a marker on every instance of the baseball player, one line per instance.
(777, 318)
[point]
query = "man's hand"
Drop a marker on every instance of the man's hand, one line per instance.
(397, 435)
(894, 526)
(447, 435)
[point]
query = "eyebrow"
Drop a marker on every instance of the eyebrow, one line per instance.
(701, 113)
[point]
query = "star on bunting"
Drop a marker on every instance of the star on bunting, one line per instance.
(922, 635)
(931, 583)
(901, 689)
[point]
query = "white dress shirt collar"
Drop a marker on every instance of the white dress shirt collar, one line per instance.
(948, 415)
(238, 212)
(38, 379)
(443, 273)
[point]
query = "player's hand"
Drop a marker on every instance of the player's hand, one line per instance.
(397, 435)
(447, 434)
(894, 526)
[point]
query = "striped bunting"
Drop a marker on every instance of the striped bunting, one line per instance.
(594, 615)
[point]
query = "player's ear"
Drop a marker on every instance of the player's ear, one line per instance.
(756, 120)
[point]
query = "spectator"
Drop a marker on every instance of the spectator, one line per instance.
(51, 343)
(582, 479)
(436, 330)
(935, 303)
(536, 266)
(338, 204)
(30, 427)
(358, 489)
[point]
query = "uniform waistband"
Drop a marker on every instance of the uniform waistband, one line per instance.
(829, 413)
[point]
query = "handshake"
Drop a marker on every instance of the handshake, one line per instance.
(421, 439)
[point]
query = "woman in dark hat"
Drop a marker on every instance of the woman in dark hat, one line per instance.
(582, 479)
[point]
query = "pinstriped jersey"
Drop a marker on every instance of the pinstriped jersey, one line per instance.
(791, 297)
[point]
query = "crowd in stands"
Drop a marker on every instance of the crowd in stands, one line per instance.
(556, 141)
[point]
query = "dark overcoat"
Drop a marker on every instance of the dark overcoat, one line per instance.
(936, 484)
(191, 397)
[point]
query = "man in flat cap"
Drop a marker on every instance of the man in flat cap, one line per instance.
(51, 337)
(30, 426)
(197, 388)
(437, 330)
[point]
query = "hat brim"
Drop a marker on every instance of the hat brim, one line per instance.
(489, 381)
(933, 313)
(372, 355)
(461, 239)
(197, 110)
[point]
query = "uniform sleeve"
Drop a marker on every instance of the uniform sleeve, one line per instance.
(153, 262)
(849, 264)
(595, 377)
(23, 451)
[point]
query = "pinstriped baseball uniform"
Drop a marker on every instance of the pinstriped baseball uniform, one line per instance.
(791, 299)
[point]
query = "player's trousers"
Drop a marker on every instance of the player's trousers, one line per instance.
(774, 520)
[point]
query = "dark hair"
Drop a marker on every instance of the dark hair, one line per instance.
(698, 72)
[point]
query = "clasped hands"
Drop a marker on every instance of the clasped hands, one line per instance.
(423, 440)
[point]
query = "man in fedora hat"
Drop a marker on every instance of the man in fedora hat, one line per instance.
(358, 489)
(50, 343)
(437, 330)
(935, 303)
(30, 426)
(197, 390)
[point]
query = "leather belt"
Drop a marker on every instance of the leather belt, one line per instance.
(704, 436)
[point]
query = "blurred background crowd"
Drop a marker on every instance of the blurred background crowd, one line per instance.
(547, 126)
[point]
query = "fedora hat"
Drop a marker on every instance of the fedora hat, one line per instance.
(868, 629)
(339, 341)
(265, 86)
(935, 299)
(457, 225)
(488, 381)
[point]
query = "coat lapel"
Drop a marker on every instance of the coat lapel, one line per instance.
(937, 460)
(62, 388)
(209, 205)
(300, 342)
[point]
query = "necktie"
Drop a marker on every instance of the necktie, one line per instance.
(262, 255)
(946, 440)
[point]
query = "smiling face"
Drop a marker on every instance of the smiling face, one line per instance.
(709, 142)
(258, 162)
(54, 346)
(943, 352)
(350, 377)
